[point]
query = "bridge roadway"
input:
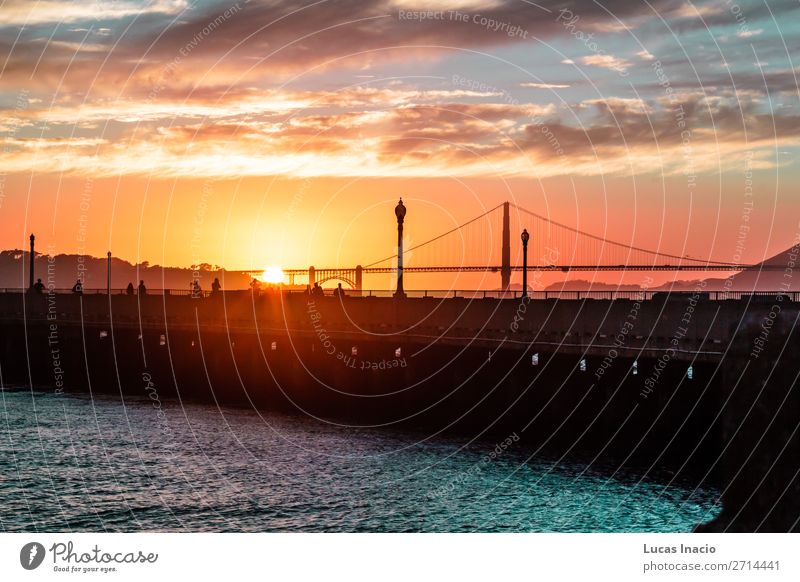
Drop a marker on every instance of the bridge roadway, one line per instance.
(721, 267)
(353, 276)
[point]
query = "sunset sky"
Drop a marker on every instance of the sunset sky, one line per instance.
(258, 133)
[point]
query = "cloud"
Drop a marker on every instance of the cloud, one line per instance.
(218, 104)
(26, 13)
(544, 86)
(606, 62)
(748, 33)
(618, 107)
(611, 135)
(705, 15)
(694, 9)
(743, 82)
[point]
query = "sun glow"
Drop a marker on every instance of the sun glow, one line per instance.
(272, 275)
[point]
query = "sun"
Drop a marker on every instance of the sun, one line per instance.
(272, 275)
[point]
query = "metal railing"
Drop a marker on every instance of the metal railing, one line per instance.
(571, 295)
(456, 294)
(104, 291)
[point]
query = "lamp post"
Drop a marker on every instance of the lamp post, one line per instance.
(400, 213)
(30, 268)
(525, 238)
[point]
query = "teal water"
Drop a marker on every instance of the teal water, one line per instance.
(75, 463)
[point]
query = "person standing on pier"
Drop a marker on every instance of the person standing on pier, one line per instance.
(142, 288)
(339, 292)
(77, 288)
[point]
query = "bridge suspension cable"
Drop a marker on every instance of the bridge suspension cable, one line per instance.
(479, 245)
(486, 244)
(434, 239)
(627, 247)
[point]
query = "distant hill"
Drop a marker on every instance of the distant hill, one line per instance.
(750, 279)
(755, 278)
(584, 285)
(63, 270)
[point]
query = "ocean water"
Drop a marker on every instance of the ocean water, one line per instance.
(77, 463)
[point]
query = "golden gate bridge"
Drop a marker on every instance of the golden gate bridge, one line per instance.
(552, 246)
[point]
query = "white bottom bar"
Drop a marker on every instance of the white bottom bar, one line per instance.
(402, 557)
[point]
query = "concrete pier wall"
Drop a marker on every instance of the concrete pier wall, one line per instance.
(560, 374)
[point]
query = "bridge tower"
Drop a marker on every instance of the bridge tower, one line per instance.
(505, 267)
(359, 277)
(312, 276)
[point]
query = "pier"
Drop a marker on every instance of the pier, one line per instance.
(701, 382)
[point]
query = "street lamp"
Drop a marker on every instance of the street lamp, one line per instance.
(525, 238)
(400, 213)
(30, 263)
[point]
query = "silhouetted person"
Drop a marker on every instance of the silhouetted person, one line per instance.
(255, 285)
(38, 287)
(318, 291)
(339, 292)
(142, 288)
(215, 286)
(78, 287)
(308, 290)
(196, 291)
(129, 289)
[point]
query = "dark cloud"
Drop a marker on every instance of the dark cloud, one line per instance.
(763, 82)
(205, 52)
(274, 37)
(744, 16)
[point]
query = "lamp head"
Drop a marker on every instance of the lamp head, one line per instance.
(400, 211)
(525, 236)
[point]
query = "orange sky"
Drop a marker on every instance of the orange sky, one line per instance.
(255, 222)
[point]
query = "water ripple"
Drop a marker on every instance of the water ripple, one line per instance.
(74, 463)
